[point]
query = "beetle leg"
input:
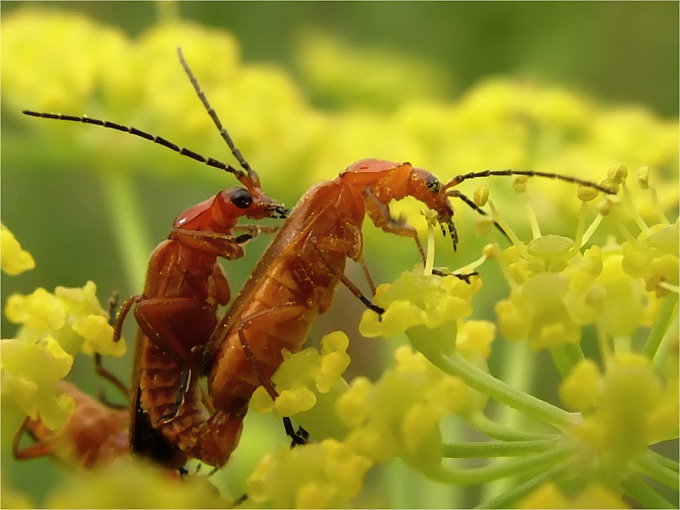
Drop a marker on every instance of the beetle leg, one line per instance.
(178, 326)
(117, 323)
(346, 281)
(254, 230)
(298, 437)
(367, 274)
(301, 435)
(185, 380)
(380, 214)
(104, 373)
(122, 314)
(221, 245)
(454, 193)
(39, 449)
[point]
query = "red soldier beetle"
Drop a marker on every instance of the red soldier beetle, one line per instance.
(93, 434)
(185, 284)
(296, 277)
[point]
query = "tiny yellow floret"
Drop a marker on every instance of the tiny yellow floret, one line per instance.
(581, 389)
(13, 259)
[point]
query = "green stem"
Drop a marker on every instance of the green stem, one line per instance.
(650, 466)
(130, 236)
(660, 326)
(477, 379)
(517, 372)
(566, 357)
(498, 448)
(664, 461)
(495, 430)
(497, 470)
(508, 498)
(646, 496)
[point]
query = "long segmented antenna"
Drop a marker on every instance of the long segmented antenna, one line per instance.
(216, 120)
(529, 173)
(454, 193)
(142, 134)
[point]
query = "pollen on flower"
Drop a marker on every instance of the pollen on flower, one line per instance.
(13, 259)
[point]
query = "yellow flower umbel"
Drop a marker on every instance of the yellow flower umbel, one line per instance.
(54, 328)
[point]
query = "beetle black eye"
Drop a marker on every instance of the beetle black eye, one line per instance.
(241, 198)
(433, 184)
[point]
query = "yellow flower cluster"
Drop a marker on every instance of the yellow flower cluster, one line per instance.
(319, 475)
(54, 328)
(305, 376)
(129, 483)
(399, 415)
(626, 409)
(419, 299)
(371, 423)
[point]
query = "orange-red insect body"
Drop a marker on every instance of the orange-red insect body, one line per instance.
(92, 435)
(177, 313)
(294, 281)
(296, 277)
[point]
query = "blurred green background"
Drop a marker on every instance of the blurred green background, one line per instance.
(617, 52)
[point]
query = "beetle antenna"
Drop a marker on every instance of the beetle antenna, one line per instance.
(216, 120)
(142, 134)
(529, 173)
(454, 193)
